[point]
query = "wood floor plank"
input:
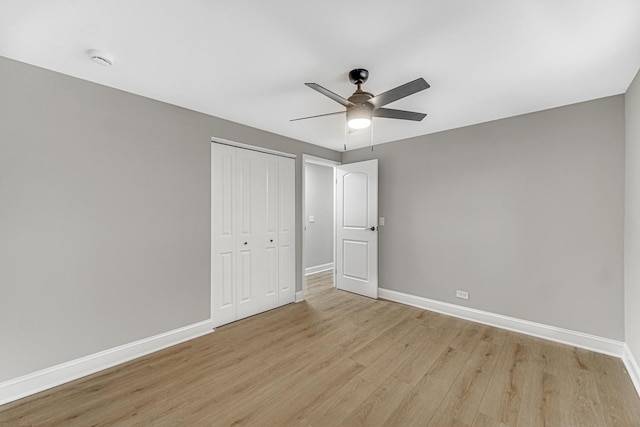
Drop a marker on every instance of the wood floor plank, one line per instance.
(341, 359)
(540, 402)
(580, 402)
(337, 407)
(466, 393)
(282, 401)
(420, 404)
(379, 405)
(469, 337)
(415, 367)
(482, 420)
(402, 350)
(503, 396)
(441, 419)
(614, 390)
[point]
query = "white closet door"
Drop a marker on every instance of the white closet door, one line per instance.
(223, 245)
(252, 291)
(287, 230)
(252, 232)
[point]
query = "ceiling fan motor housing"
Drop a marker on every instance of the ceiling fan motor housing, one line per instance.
(360, 107)
(360, 97)
(358, 76)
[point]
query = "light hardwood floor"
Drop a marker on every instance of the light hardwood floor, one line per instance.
(339, 359)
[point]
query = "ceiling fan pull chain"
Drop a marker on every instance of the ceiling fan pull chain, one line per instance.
(371, 135)
(346, 135)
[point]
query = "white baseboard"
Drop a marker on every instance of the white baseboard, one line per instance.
(552, 333)
(299, 296)
(633, 368)
(36, 382)
(318, 268)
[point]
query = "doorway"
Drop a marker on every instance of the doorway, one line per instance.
(318, 210)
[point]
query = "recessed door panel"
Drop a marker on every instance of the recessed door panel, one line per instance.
(355, 201)
(222, 296)
(226, 175)
(226, 279)
(271, 178)
(287, 270)
(272, 271)
(287, 195)
(245, 278)
(245, 205)
(355, 259)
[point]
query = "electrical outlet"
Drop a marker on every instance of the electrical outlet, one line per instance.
(462, 294)
(381, 222)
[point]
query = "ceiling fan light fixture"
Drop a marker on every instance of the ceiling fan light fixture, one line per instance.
(359, 123)
(358, 118)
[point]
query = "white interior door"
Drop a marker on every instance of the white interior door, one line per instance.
(357, 228)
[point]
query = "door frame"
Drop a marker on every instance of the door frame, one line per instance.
(306, 159)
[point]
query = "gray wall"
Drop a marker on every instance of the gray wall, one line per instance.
(632, 218)
(104, 215)
(525, 213)
(319, 203)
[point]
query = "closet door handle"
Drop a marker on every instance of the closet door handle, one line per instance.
(245, 243)
(271, 240)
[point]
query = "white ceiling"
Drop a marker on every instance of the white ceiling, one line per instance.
(248, 60)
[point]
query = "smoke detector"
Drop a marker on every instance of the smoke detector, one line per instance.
(101, 57)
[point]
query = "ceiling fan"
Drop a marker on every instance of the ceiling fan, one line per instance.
(363, 106)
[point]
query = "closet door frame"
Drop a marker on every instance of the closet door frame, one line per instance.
(285, 294)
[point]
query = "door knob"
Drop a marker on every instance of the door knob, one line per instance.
(245, 243)
(372, 229)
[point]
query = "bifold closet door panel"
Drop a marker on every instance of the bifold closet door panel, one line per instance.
(223, 245)
(287, 230)
(252, 293)
(271, 230)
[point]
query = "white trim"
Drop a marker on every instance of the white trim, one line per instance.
(631, 363)
(319, 161)
(300, 296)
(552, 333)
(308, 158)
(44, 379)
(318, 268)
(223, 141)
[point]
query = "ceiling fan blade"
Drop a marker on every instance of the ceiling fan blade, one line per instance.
(319, 115)
(400, 92)
(398, 114)
(328, 93)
